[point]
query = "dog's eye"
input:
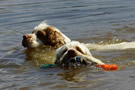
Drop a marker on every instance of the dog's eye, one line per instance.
(79, 49)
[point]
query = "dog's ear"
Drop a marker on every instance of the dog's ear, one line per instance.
(50, 36)
(42, 36)
(55, 38)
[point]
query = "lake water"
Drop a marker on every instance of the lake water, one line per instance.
(88, 21)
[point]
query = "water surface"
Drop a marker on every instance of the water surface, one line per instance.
(88, 21)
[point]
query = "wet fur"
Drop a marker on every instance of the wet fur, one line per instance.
(50, 37)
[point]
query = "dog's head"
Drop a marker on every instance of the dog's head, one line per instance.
(66, 54)
(30, 41)
(44, 34)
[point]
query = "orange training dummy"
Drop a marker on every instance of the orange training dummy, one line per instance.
(108, 67)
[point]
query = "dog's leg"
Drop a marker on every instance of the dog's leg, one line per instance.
(93, 59)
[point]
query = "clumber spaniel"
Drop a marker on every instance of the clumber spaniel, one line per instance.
(44, 34)
(65, 55)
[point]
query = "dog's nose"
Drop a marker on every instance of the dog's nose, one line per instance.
(25, 36)
(71, 52)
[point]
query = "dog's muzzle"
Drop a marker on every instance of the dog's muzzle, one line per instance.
(26, 40)
(79, 61)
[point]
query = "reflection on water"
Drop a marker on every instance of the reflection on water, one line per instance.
(40, 55)
(89, 21)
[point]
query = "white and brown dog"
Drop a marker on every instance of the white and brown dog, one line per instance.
(44, 34)
(66, 53)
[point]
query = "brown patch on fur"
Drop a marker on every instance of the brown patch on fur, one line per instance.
(49, 36)
(79, 49)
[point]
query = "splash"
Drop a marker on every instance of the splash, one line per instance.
(113, 44)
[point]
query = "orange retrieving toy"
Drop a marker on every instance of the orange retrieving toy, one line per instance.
(108, 66)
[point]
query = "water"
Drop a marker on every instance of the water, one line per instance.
(88, 21)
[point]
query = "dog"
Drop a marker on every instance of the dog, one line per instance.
(66, 53)
(45, 34)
